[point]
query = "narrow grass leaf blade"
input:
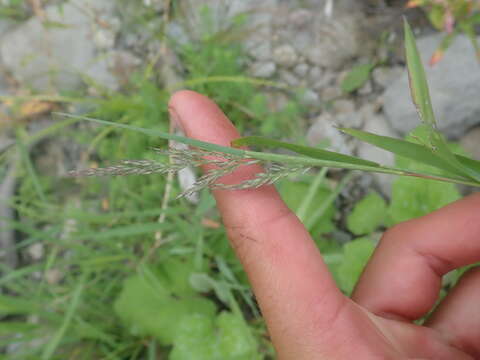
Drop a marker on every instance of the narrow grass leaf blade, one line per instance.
(472, 164)
(279, 158)
(422, 100)
(57, 338)
(155, 133)
(403, 148)
(417, 78)
(303, 150)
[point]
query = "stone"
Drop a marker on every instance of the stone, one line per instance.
(53, 276)
(454, 87)
(300, 17)
(263, 69)
(309, 98)
(104, 38)
(260, 51)
(325, 128)
(177, 33)
(157, 5)
(376, 123)
(366, 89)
(59, 57)
(331, 93)
(301, 70)
(344, 106)
(471, 142)
(285, 55)
(334, 41)
(36, 251)
(289, 78)
(384, 76)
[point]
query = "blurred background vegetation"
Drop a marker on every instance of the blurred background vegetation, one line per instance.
(118, 268)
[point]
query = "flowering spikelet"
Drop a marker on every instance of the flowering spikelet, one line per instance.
(182, 158)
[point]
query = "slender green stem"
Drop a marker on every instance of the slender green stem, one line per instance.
(307, 201)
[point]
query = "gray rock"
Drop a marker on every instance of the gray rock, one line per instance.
(310, 98)
(366, 89)
(301, 70)
(300, 17)
(384, 76)
(344, 106)
(471, 141)
(263, 69)
(285, 55)
(36, 251)
(454, 88)
(176, 32)
(376, 123)
(331, 93)
(260, 51)
(289, 78)
(58, 57)
(156, 5)
(333, 41)
(325, 128)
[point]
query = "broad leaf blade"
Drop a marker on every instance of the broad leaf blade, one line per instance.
(303, 150)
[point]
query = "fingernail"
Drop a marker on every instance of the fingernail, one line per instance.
(175, 119)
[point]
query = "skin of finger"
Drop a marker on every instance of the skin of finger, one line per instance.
(301, 304)
(458, 316)
(403, 278)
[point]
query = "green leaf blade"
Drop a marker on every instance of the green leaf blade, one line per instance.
(302, 150)
(418, 80)
(403, 148)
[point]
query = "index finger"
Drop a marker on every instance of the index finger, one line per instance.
(287, 273)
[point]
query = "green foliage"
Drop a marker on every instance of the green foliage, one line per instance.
(412, 198)
(14, 9)
(356, 78)
(224, 337)
(154, 305)
(367, 215)
(453, 17)
(295, 192)
(354, 258)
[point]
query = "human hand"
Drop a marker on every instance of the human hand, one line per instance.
(306, 314)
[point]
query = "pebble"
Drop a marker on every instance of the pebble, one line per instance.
(263, 69)
(301, 70)
(36, 251)
(383, 76)
(285, 55)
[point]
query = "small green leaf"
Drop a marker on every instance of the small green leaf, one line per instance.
(293, 193)
(356, 77)
(227, 337)
(355, 256)
(412, 198)
(148, 309)
(367, 215)
(236, 338)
